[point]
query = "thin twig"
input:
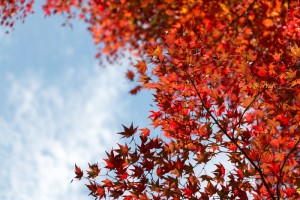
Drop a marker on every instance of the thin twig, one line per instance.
(247, 108)
(281, 168)
(233, 141)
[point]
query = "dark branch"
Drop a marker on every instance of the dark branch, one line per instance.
(233, 141)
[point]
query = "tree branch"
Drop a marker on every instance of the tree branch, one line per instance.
(281, 168)
(246, 109)
(233, 141)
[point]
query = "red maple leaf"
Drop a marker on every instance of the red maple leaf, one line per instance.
(128, 132)
(130, 75)
(78, 172)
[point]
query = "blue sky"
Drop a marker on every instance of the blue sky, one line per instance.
(58, 108)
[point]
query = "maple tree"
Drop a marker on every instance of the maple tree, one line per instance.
(226, 82)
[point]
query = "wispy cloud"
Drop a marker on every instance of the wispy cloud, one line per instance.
(46, 128)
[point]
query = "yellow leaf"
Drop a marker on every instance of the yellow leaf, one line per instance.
(295, 50)
(224, 8)
(268, 22)
(184, 10)
(296, 82)
(291, 74)
(251, 57)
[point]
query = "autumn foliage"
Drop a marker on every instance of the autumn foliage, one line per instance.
(225, 77)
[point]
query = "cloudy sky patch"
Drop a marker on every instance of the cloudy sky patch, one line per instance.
(57, 108)
(47, 128)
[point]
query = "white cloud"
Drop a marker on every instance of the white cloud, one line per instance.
(48, 128)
